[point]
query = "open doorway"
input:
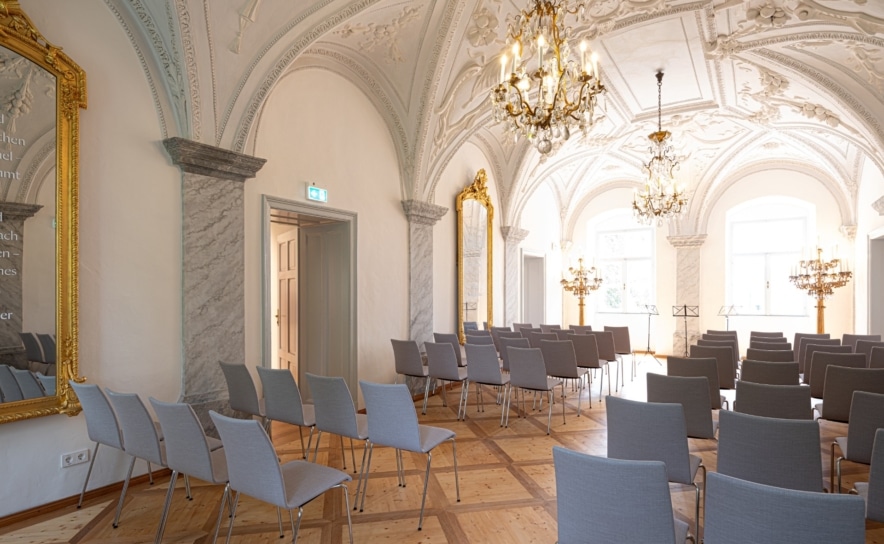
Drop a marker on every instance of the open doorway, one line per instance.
(876, 288)
(533, 291)
(309, 291)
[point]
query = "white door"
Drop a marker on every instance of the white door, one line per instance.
(287, 312)
(533, 292)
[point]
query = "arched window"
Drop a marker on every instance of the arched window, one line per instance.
(765, 238)
(624, 254)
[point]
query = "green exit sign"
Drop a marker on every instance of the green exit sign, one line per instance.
(316, 194)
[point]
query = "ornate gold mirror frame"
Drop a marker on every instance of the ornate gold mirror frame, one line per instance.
(38, 73)
(470, 251)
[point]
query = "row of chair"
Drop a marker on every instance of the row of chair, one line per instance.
(19, 384)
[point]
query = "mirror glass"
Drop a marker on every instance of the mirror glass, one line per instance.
(474, 256)
(41, 91)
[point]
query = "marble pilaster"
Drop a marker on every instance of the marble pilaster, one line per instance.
(213, 264)
(687, 290)
(12, 248)
(512, 237)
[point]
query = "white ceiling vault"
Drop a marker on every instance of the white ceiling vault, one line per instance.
(748, 84)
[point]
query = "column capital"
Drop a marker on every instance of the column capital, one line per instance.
(848, 231)
(423, 213)
(198, 158)
(878, 205)
(18, 210)
(513, 234)
(690, 241)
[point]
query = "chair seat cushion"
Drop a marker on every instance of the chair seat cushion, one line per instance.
(309, 412)
(862, 489)
(433, 436)
(304, 481)
(362, 426)
(842, 444)
(214, 443)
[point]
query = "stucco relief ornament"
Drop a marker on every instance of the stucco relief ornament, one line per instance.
(815, 111)
(483, 28)
(878, 205)
(767, 15)
(723, 47)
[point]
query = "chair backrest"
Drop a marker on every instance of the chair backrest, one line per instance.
(534, 338)
(27, 382)
(649, 431)
(605, 343)
(876, 357)
(800, 336)
(450, 338)
(549, 328)
(586, 350)
(187, 449)
(763, 334)
(620, 514)
(505, 334)
(770, 373)
(47, 343)
(442, 362)
(101, 421)
(621, 339)
(821, 360)
(721, 333)
(495, 334)
(724, 357)
(866, 417)
(252, 464)
(697, 366)
(559, 358)
(140, 437)
(9, 386)
(49, 383)
(770, 355)
(741, 512)
(851, 339)
(477, 332)
(527, 368)
(333, 405)
(772, 346)
(241, 388)
(875, 498)
(811, 349)
(392, 419)
(771, 451)
(805, 342)
(564, 334)
(580, 329)
(407, 357)
(470, 326)
(505, 344)
(865, 347)
(693, 395)
(282, 398)
(479, 339)
(722, 342)
(517, 327)
(484, 365)
(841, 382)
(767, 400)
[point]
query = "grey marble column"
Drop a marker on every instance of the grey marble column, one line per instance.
(12, 249)
(213, 263)
(512, 237)
(687, 288)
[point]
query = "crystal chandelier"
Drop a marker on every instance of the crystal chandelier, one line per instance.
(546, 88)
(661, 199)
(820, 279)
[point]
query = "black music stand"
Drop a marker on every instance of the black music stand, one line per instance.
(727, 312)
(685, 311)
(651, 310)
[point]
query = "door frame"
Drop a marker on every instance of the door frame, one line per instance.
(522, 283)
(269, 203)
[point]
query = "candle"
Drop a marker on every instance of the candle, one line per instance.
(502, 68)
(583, 47)
(516, 51)
(541, 46)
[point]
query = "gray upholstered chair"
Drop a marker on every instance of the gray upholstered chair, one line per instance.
(189, 451)
(770, 355)
(803, 360)
(442, 365)
(580, 329)
(586, 350)
(839, 386)
(699, 366)
(741, 512)
(800, 337)
(866, 417)
(479, 339)
(601, 500)
(517, 327)
(254, 469)
(724, 357)
(622, 346)
(693, 395)
(873, 490)
(484, 369)
(812, 349)
(724, 335)
(561, 362)
(534, 338)
(451, 338)
(141, 438)
(771, 346)
(505, 344)
(767, 400)
(876, 357)
(549, 327)
(722, 341)
(769, 372)
(851, 339)
(865, 347)
(564, 334)
(28, 383)
(771, 451)
(766, 334)
(819, 362)
(528, 371)
(650, 431)
(392, 422)
(9, 387)
(408, 360)
(336, 414)
(608, 353)
(242, 392)
(282, 402)
(495, 332)
(101, 423)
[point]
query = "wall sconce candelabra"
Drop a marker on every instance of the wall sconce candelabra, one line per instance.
(585, 281)
(820, 279)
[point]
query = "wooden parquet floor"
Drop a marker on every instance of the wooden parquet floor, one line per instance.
(506, 478)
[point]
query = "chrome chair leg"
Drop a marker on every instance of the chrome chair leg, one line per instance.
(123, 494)
(165, 514)
(420, 523)
(88, 474)
(347, 509)
(365, 476)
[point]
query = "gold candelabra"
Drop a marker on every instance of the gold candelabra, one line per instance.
(820, 279)
(585, 281)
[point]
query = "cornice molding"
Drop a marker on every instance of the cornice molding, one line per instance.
(513, 235)
(198, 158)
(687, 242)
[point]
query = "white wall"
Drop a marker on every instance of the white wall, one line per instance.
(130, 256)
(869, 223)
(318, 127)
(540, 218)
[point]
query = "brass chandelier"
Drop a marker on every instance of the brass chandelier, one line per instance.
(820, 279)
(546, 88)
(661, 199)
(584, 282)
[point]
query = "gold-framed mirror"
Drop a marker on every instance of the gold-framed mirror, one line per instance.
(475, 255)
(41, 93)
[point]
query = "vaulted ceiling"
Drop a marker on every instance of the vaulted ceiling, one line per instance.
(749, 84)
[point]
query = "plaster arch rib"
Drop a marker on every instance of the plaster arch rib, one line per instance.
(571, 220)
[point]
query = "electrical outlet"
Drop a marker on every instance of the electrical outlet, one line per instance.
(74, 458)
